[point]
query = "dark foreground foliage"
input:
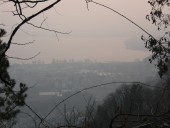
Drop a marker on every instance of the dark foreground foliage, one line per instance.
(10, 99)
(135, 106)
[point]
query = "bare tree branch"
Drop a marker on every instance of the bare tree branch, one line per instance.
(121, 16)
(22, 23)
(24, 43)
(17, 58)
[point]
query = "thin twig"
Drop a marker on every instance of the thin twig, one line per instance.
(22, 23)
(24, 43)
(17, 58)
(122, 16)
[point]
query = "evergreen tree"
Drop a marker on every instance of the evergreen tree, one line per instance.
(10, 99)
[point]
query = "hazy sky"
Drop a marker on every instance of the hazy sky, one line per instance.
(98, 34)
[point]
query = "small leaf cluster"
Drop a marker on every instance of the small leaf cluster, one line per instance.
(160, 52)
(156, 15)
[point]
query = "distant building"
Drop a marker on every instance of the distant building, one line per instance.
(50, 94)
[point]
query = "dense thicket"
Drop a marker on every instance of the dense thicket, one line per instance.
(133, 105)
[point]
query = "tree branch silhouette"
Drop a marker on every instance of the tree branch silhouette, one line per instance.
(17, 58)
(24, 22)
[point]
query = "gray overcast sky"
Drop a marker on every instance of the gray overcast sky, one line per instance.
(98, 34)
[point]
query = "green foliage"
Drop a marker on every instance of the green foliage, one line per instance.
(9, 98)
